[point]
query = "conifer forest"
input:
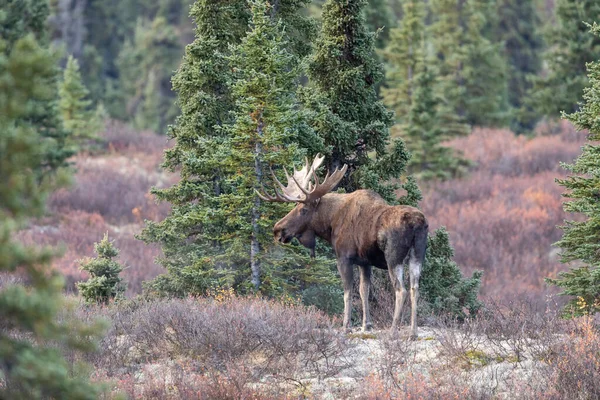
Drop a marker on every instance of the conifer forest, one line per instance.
(144, 147)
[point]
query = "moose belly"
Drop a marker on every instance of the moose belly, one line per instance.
(374, 257)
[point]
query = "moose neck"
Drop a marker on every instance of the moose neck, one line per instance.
(322, 220)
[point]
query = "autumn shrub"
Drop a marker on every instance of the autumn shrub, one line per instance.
(419, 386)
(502, 217)
(270, 337)
(520, 329)
(118, 192)
(182, 379)
(573, 363)
(121, 138)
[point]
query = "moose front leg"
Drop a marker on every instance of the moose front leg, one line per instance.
(346, 274)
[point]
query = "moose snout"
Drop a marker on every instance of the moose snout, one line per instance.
(280, 235)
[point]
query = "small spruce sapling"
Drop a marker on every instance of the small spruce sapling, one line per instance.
(105, 283)
(443, 287)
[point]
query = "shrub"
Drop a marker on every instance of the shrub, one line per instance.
(442, 286)
(502, 218)
(573, 370)
(268, 336)
(104, 283)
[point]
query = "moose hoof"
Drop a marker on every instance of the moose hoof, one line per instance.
(367, 328)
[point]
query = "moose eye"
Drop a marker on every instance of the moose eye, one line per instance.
(303, 211)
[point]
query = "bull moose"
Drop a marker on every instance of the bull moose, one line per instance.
(363, 230)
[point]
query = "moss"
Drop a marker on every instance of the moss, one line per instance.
(476, 358)
(362, 335)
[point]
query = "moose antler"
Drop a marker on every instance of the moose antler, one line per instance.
(299, 187)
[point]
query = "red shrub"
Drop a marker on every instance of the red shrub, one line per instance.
(114, 187)
(502, 217)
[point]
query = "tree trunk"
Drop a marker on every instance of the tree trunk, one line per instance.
(255, 245)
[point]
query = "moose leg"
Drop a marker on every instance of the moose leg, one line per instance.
(394, 257)
(346, 274)
(365, 285)
(415, 264)
(397, 278)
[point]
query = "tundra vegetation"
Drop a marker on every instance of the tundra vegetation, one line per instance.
(415, 99)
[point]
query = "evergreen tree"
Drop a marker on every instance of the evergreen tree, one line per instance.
(74, 105)
(146, 63)
(405, 51)
(267, 130)
(207, 238)
(189, 235)
(31, 334)
(517, 27)
(378, 18)
(570, 47)
(423, 131)
(472, 70)
(342, 97)
(443, 287)
(17, 20)
(484, 71)
(581, 239)
(413, 94)
(105, 283)
(20, 18)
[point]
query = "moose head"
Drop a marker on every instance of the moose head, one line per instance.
(305, 189)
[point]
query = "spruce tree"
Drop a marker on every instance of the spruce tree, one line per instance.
(423, 131)
(146, 63)
(379, 18)
(484, 71)
(207, 237)
(405, 51)
(189, 235)
(570, 46)
(581, 239)
(17, 20)
(472, 70)
(31, 363)
(413, 93)
(517, 27)
(443, 287)
(104, 283)
(267, 130)
(346, 112)
(75, 106)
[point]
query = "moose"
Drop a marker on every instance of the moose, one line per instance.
(362, 229)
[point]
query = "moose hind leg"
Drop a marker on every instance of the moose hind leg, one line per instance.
(365, 284)
(395, 261)
(347, 276)
(415, 264)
